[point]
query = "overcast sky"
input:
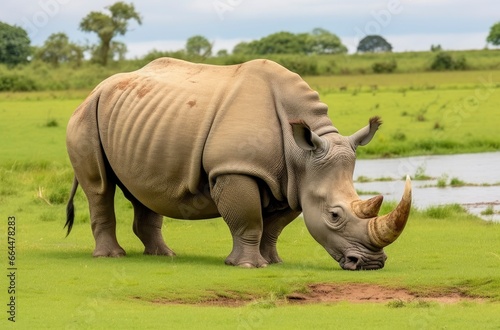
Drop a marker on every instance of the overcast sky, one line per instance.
(406, 24)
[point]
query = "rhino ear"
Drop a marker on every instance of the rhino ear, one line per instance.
(304, 137)
(365, 135)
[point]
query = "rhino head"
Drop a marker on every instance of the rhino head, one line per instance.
(349, 228)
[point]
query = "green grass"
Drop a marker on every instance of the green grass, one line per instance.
(60, 285)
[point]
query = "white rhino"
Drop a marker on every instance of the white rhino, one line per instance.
(250, 142)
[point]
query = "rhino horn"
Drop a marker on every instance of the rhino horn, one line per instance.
(384, 230)
(368, 208)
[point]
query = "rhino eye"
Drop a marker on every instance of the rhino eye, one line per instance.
(335, 218)
(335, 214)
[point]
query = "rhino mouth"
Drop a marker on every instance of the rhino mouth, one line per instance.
(355, 261)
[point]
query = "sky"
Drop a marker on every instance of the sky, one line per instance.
(408, 25)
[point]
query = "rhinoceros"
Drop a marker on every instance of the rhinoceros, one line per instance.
(251, 143)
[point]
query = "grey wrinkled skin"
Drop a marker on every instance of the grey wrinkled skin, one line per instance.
(251, 143)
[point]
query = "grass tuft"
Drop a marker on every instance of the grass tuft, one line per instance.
(420, 173)
(397, 303)
(446, 211)
(456, 182)
(442, 181)
(488, 211)
(51, 123)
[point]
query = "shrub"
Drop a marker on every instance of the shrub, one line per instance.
(384, 67)
(302, 65)
(444, 61)
(16, 83)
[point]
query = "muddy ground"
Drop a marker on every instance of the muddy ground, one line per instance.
(335, 293)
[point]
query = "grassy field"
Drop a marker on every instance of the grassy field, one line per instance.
(442, 251)
(431, 113)
(425, 113)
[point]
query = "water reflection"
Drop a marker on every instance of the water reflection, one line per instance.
(480, 172)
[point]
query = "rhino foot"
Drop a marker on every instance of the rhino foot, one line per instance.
(249, 265)
(109, 252)
(270, 254)
(160, 251)
(254, 261)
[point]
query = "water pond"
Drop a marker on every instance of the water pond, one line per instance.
(472, 180)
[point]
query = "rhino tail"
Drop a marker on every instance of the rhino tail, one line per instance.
(70, 208)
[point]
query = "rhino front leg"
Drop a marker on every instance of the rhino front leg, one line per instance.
(238, 201)
(147, 226)
(273, 225)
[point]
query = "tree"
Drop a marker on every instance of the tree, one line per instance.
(117, 50)
(494, 36)
(282, 43)
(14, 45)
(374, 44)
(246, 48)
(222, 53)
(322, 41)
(198, 46)
(436, 48)
(109, 26)
(58, 49)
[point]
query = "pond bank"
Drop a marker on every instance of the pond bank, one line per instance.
(471, 180)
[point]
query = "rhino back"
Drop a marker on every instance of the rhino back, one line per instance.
(170, 127)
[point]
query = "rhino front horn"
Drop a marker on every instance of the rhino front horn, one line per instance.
(386, 229)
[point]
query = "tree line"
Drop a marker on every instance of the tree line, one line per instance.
(15, 45)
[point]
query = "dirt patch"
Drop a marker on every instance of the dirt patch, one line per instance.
(331, 293)
(359, 293)
(226, 299)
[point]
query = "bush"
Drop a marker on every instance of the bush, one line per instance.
(444, 61)
(16, 83)
(303, 65)
(384, 67)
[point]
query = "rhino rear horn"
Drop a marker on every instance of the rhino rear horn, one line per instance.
(386, 229)
(368, 208)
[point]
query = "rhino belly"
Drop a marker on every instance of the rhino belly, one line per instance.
(189, 206)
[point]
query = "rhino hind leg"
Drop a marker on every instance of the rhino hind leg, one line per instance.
(238, 201)
(273, 225)
(94, 177)
(147, 226)
(103, 223)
